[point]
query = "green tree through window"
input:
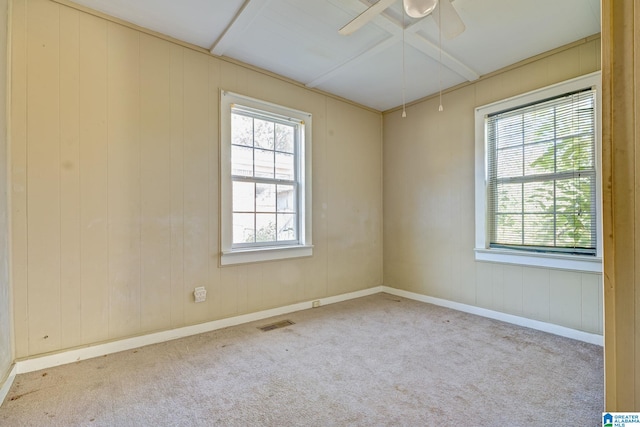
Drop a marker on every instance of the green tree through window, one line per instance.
(541, 175)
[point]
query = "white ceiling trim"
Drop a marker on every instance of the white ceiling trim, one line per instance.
(394, 28)
(372, 11)
(249, 11)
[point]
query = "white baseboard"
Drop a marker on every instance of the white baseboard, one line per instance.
(70, 356)
(8, 382)
(504, 317)
(83, 353)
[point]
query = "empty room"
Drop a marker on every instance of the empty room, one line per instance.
(318, 212)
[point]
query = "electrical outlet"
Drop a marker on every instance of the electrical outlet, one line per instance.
(200, 294)
(315, 304)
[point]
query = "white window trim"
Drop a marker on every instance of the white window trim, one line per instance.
(585, 263)
(230, 255)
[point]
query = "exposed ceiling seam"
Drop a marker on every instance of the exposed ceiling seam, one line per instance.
(249, 11)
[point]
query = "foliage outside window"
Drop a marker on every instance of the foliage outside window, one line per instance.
(538, 190)
(265, 165)
(541, 176)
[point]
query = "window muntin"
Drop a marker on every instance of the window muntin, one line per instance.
(541, 177)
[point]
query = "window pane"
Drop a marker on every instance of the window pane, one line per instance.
(286, 198)
(538, 197)
(265, 197)
(539, 125)
(265, 227)
(538, 230)
(241, 161)
(509, 229)
(574, 231)
(539, 158)
(509, 162)
(286, 227)
(263, 134)
(241, 130)
(576, 118)
(243, 228)
(264, 163)
(284, 166)
(244, 196)
(509, 131)
(284, 138)
(575, 195)
(575, 153)
(510, 198)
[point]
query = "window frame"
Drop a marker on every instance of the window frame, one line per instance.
(587, 263)
(231, 254)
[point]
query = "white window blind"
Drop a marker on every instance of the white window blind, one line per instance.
(541, 176)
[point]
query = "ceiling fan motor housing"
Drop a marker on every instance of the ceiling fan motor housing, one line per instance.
(419, 8)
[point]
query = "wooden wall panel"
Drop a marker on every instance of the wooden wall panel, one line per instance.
(43, 176)
(513, 292)
(176, 105)
(621, 197)
(197, 143)
(6, 323)
(591, 294)
(155, 183)
(355, 204)
(565, 296)
(70, 282)
(124, 192)
(18, 159)
(94, 269)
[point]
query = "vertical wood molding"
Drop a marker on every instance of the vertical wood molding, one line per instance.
(621, 193)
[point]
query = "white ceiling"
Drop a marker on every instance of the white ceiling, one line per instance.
(299, 39)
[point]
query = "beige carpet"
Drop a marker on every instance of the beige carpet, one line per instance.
(375, 361)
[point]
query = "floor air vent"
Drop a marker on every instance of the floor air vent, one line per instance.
(276, 325)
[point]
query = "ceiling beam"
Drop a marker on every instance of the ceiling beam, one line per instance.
(235, 30)
(394, 28)
(361, 19)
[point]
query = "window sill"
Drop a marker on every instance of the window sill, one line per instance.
(586, 264)
(242, 256)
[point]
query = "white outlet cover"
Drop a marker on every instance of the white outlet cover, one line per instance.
(200, 294)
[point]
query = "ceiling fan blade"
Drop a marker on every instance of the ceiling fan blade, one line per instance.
(448, 19)
(366, 16)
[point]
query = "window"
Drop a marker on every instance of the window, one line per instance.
(539, 192)
(265, 181)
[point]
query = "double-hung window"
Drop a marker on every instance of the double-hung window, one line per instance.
(265, 180)
(540, 190)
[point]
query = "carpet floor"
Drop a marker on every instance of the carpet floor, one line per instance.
(380, 360)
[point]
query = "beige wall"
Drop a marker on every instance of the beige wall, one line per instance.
(6, 339)
(429, 221)
(115, 185)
